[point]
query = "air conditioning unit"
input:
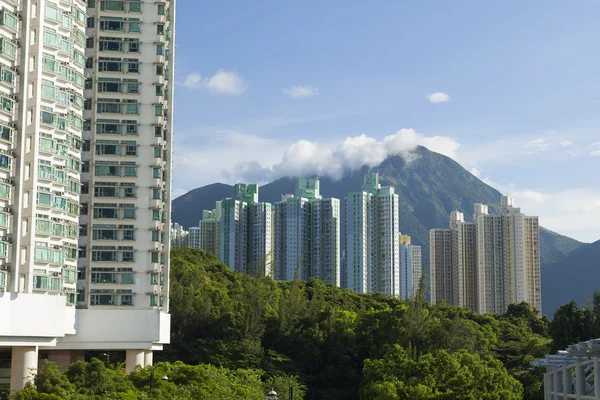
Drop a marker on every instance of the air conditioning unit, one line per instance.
(5, 267)
(56, 246)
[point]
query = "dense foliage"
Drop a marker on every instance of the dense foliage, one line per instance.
(235, 337)
(340, 343)
(94, 381)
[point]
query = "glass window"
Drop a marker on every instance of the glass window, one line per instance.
(109, 5)
(158, 110)
(135, 6)
(129, 213)
(127, 277)
(153, 300)
(156, 173)
(161, 9)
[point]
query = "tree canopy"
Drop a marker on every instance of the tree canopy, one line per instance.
(235, 336)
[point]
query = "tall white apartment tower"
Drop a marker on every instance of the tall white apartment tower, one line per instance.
(489, 263)
(208, 231)
(508, 258)
(245, 229)
(85, 171)
(411, 268)
(372, 234)
(306, 235)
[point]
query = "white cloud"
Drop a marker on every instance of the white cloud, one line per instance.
(226, 83)
(310, 158)
(222, 82)
(193, 81)
(301, 92)
(475, 171)
(572, 212)
(595, 153)
(438, 97)
(566, 143)
(538, 145)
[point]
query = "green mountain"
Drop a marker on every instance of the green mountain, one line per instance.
(430, 187)
(574, 277)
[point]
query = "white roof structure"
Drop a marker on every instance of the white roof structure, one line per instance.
(574, 353)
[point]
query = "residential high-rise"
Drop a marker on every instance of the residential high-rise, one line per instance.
(508, 258)
(245, 232)
(194, 237)
(371, 249)
(441, 279)
(488, 263)
(85, 178)
(209, 228)
(179, 236)
(306, 232)
(411, 268)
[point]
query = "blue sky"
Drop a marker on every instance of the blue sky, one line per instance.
(511, 90)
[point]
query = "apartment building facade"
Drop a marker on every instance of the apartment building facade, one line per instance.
(85, 176)
(306, 235)
(489, 263)
(245, 232)
(372, 254)
(208, 230)
(411, 267)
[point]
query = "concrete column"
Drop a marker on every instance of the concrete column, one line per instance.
(597, 378)
(548, 383)
(133, 358)
(567, 381)
(557, 383)
(23, 367)
(148, 358)
(579, 380)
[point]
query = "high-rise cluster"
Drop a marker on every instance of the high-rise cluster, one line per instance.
(488, 263)
(305, 238)
(86, 93)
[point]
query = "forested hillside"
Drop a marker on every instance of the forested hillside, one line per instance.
(342, 345)
(235, 337)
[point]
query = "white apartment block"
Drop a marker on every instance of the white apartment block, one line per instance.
(194, 237)
(85, 178)
(372, 234)
(508, 258)
(489, 263)
(179, 236)
(411, 268)
(290, 242)
(441, 267)
(245, 232)
(306, 235)
(209, 228)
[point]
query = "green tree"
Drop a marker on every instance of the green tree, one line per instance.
(437, 375)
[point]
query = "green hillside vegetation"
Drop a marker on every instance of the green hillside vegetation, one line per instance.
(232, 334)
(340, 344)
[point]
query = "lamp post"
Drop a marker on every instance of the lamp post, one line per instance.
(164, 378)
(272, 395)
(107, 358)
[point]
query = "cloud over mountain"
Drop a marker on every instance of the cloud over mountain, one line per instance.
(305, 157)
